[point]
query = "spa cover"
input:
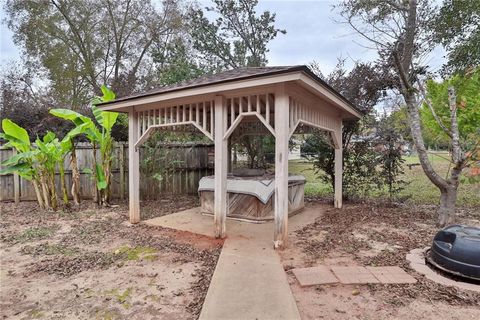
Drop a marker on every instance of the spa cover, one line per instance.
(260, 187)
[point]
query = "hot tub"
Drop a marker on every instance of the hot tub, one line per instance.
(251, 198)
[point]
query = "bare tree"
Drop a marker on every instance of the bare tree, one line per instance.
(398, 31)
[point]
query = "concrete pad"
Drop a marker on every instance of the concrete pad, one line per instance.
(249, 281)
(391, 275)
(190, 220)
(193, 221)
(354, 275)
(314, 276)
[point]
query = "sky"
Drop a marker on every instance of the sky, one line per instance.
(312, 34)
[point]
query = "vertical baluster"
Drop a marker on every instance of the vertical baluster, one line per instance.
(197, 113)
(232, 111)
(267, 108)
(139, 124)
(211, 118)
(259, 110)
(204, 110)
(290, 112)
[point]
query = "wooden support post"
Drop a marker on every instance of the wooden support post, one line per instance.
(281, 116)
(121, 160)
(16, 184)
(338, 168)
(221, 148)
(133, 168)
(229, 156)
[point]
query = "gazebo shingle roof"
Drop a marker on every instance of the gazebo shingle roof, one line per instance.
(232, 75)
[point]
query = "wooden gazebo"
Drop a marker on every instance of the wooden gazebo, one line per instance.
(281, 99)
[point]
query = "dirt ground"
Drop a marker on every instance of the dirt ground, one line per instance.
(88, 263)
(375, 235)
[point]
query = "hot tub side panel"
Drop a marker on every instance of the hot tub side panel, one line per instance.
(248, 207)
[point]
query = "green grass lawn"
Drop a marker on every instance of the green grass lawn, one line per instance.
(419, 190)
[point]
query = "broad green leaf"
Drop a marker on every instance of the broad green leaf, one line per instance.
(12, 129)
(106, 119)
(101, 182)
(14, 142)
(71, 115)
(97, 113)
(108, 95)
(87, 171)
(23, 169)
(66, 144)
(109, 119)
(48, 137)
(15, 159)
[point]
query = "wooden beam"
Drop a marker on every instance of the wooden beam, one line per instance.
(281, 116)
(221, 163)
(133, 168)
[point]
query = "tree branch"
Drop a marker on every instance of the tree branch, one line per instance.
(432, 110)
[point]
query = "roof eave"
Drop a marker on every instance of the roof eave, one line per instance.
(298, 74)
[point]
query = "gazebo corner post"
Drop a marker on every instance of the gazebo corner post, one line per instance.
(221, 167)
(281, 117)
(133, 168)
(338, 166)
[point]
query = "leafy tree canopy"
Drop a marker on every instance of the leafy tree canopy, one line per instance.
(237, 38)
(457, 28)
(468, 101)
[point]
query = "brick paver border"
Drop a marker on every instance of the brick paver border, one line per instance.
(416, 257)
(352, 275)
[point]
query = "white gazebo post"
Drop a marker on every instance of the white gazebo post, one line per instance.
(338, 167)
(221, 167)
(133, 167)
(281, 116)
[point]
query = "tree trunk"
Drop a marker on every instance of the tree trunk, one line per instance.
(106, 191)
(446, 211)
(75, 177)
(46, 195)
(38, 193)
(53, 192)
(63, 183)
(96, 197)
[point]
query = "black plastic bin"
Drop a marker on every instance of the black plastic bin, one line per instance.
(456, 249)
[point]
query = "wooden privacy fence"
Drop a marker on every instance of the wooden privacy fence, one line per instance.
(173, 168)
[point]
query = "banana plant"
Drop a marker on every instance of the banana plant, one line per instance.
(48, 156)
(106, 120)
(24, 163)
(99, 138)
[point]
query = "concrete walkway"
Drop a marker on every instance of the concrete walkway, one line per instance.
(249, 281)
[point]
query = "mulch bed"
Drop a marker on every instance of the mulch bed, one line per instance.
(403, 228)
(91, 227)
